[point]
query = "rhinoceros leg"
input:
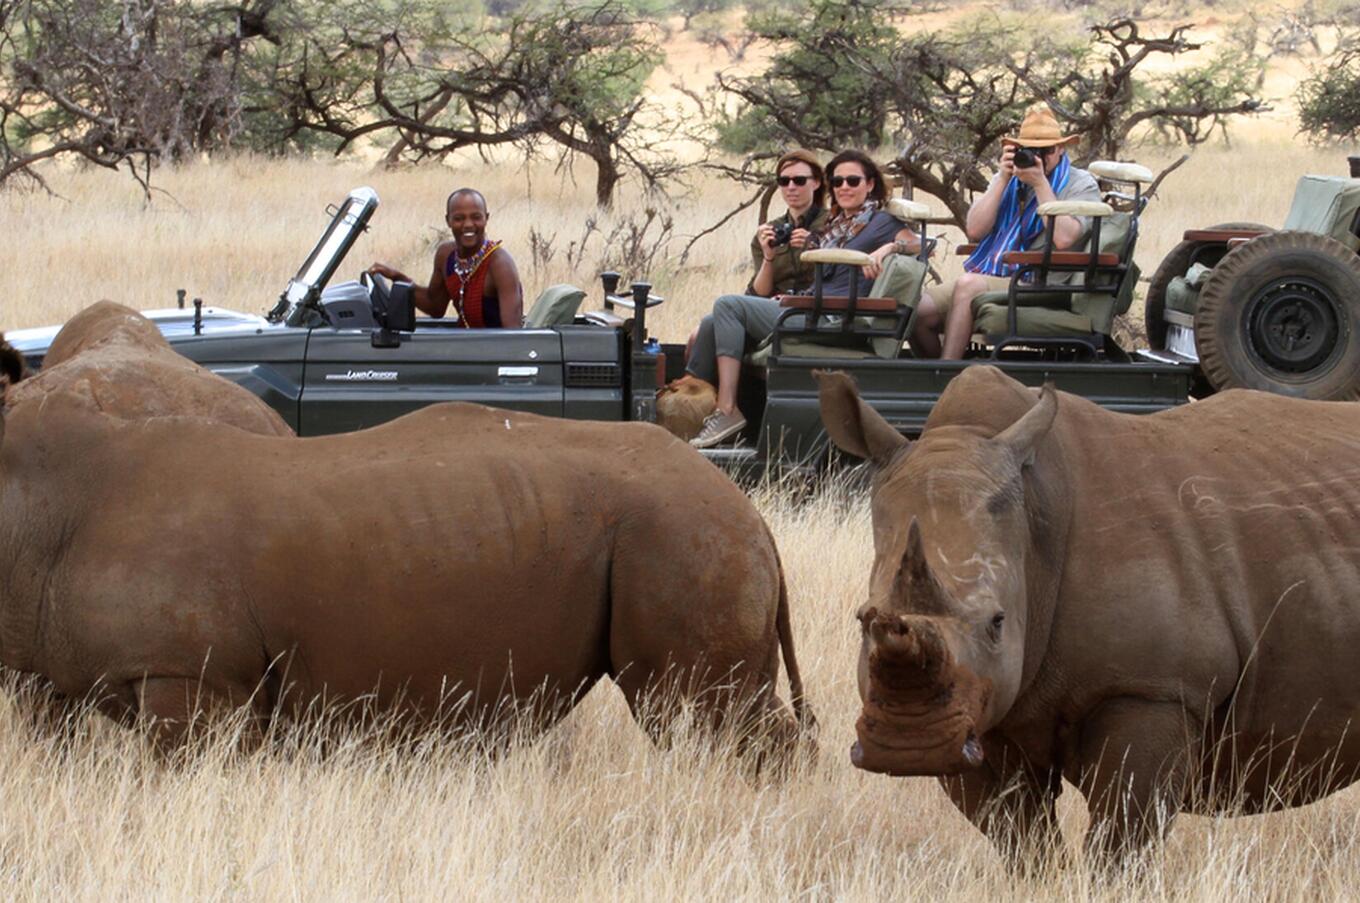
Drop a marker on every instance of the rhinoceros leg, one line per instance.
(1136, 757)
(1013, 805)
(171, 708)
(697, 629)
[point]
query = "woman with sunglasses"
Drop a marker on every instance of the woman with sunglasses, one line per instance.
(740, 322)
(776, 248)
(776, 254)
(1005, 218)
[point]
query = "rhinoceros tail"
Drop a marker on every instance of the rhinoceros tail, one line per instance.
(12, 367)
(802, 710)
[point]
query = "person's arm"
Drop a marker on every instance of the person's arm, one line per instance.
(909, 241)
(509, 290)
(433, 300)
(1067, 230)
(982, 214)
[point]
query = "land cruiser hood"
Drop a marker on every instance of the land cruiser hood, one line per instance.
(172, 321)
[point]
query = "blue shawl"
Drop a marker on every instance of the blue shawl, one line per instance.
(1014, 228)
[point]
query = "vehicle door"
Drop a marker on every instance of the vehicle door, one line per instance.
(349, 384)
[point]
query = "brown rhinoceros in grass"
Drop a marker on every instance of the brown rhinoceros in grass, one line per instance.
(457, 553)
(110, 360)
(1163, 609)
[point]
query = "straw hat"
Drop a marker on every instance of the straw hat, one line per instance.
(1040, 128)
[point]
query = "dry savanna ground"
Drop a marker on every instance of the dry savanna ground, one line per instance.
(592, 811)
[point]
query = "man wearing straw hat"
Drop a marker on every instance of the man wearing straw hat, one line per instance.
(1005, 218)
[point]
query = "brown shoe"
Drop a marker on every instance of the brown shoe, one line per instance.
(717, 427)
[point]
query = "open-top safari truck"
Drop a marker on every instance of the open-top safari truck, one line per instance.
(334, 358)
(1280, 311)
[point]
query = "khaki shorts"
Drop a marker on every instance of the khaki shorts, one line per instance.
(943, 294)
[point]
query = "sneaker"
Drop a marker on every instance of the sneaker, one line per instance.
(717, 427)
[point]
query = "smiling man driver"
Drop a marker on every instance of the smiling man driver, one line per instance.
(477, 275)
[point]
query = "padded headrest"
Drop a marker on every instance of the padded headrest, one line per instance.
(1120, 172)
(837, 255)
(1071, 208)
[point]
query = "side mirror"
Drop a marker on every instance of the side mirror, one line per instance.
(396, 312)
(401, 308)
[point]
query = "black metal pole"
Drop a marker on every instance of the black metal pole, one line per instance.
(611, 285)
(641, 290)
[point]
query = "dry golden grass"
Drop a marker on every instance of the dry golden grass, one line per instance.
(592, 811)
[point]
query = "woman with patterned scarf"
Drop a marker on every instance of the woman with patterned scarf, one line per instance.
(1006, 218)
(740, 322)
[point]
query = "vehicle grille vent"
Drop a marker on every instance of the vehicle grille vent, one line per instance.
(584, 376)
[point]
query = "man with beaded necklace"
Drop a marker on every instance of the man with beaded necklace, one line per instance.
(477, 276)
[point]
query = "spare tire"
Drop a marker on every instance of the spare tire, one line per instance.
(1174, 264)
(1282, 313)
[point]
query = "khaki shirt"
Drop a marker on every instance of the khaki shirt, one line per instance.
(790, 273)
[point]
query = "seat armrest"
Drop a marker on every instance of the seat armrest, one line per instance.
(837, 255)
(1060, 258)
(908, 211)
(840, 304)
(1111, 171)
(964, 250)
(1075, 208)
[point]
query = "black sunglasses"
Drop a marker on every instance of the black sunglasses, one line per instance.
(800, 181)
(852, 181)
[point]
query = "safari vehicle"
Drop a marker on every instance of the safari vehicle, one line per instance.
(1280, 312)
(333, 358)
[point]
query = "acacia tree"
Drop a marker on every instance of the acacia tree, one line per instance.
(1329, 99)
(944, 99)
(121, 83)
(147, 80)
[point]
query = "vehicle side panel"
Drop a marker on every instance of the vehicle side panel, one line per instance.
(268, 363)
(904, 391)
(350, 385)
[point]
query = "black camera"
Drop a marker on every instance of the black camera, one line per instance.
(1024, 158)
(782, 233)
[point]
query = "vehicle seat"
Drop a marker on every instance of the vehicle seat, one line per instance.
(1067, 313)
(902, 279)
(556, 305)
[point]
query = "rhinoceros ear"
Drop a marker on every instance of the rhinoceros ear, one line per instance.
(1022, 437)
(855, 427)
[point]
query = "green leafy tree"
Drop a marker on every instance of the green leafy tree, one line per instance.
(1329, 99)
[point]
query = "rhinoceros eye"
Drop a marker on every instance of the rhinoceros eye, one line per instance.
(994, 628)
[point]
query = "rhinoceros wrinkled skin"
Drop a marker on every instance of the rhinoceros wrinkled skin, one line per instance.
(458, 556)
(111, 360)
(1162, 609)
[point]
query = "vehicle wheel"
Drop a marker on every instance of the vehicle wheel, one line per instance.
(1174, 264)
(1282, 313)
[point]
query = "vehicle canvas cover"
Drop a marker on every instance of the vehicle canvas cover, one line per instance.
(1326, 205)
